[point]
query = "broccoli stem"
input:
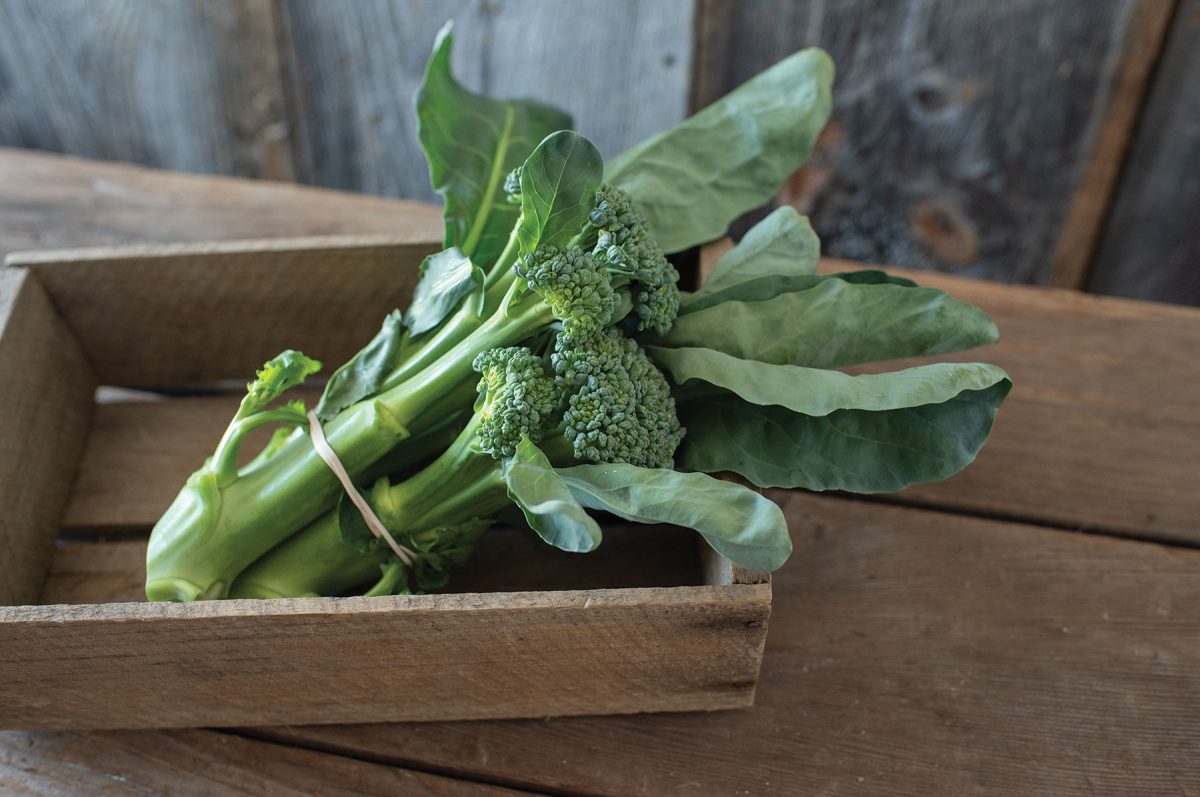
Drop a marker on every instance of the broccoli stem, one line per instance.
(214, 530)
(460, 484)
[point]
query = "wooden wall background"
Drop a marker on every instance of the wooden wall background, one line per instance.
(1044, 141)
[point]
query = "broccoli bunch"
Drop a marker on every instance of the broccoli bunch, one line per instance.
(595, 398)
(607, 274)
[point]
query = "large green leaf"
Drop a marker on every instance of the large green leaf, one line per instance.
(548, 505)
(446, 278)
(781, 244)
(691, 181)
(558, 189)
(766, 286)
(816, 391)
(742, 525)
(856, 450)
(835, 323)
(472, 143)
(363, 374)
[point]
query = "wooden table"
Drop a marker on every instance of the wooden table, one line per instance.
(1031, 626)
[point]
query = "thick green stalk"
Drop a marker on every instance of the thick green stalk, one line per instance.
(459, 485)
(213, 531)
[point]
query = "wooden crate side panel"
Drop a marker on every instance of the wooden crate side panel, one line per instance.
(178, 314)
(45, 408)
(432, 657)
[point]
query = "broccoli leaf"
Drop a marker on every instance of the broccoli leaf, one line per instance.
(283, 372)
(857, 450)
(835, 323)
(472, 143)
(756, 289)
(548, 505)
(781, 244)
(737, 522)
(691, 181)
(558, 190)
(446, 277)
(817, 392)
(363, 374)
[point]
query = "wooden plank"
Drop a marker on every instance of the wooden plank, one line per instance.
(201, 764)
(222, 663)
(961, 128)
(507, 560)
(1150, 248)
(911, 653)
(1144, 35)
(180, 85)
(193, 313)
(57, 202)
(621, 68)
(45, 407)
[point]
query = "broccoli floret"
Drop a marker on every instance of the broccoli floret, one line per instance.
(619, 406)
(624, 245)
(516, 399)
(573, 283)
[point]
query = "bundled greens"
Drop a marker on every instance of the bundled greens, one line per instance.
(549, 363)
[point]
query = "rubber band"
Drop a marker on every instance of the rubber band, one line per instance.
(326, 452)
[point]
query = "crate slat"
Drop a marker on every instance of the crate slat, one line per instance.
(46, 392)
(180, 314)
(425, 657)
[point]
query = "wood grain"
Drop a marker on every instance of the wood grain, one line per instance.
(180, 85)
(1145, 31)
(179, 314)
(621, 68)
(337, 660)
(960, 127)
(911, 653)
(1151, 247)
(45, 407)
(201, 764)
(58, 202)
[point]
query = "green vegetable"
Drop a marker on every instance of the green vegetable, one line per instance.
(549, 366)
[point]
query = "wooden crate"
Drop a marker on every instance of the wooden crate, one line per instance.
(649, 622)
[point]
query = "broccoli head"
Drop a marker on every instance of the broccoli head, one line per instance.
(618, 405)
(516, 399)
(624, 245)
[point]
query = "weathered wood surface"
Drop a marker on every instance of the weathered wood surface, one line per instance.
(202, 764)
(178, 84)
(45, 406)
(622, 68)
(422, 657)
(180, 314)
(961, 128)
(911, 653)
(57, 202)
(1151, 247)
(948, 672)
